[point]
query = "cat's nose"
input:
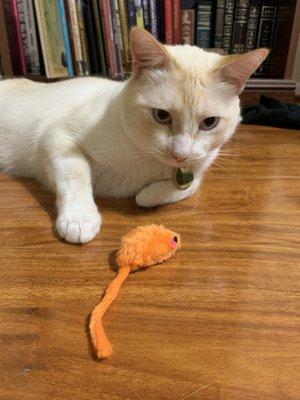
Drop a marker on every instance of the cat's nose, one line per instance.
(178, 157)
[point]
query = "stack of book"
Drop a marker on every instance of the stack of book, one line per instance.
(59, 38)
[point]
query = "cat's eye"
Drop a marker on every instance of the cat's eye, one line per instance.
(209, 123)
(162, 116)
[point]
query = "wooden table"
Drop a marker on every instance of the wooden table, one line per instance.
(218, 321)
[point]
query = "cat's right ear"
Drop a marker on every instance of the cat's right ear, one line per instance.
(147, 52)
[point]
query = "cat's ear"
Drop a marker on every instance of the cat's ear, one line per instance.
(237, 69)
(147, 52)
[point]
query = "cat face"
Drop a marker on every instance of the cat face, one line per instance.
(181, 118)
(184, 101)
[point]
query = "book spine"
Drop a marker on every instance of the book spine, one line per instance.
(4, 45)
(52, 40)
(153, 16)
(228, 23)
(90, 33)
(266, 32)
(75, 36)
(38, 12)
(285, 18)
(147, 15)
(125, 32)
(64, 26)
(252, 25)
(187, 27)
(139, 13)
(160, 20)
(22, 25)
(204, 24)
(219, 26)
(118, 38)
(176, 22)
(84, 44)
(99, 37)
(131, 13)
(18, 36)
(240, 27)
(109, 36)
(14, 39)
(32, 41)
(168, 19)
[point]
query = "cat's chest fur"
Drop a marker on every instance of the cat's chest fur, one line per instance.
(128, 178)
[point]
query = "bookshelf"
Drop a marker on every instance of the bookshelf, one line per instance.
(284, 88)
(122, 14)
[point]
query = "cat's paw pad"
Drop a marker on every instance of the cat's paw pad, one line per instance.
(79, 227)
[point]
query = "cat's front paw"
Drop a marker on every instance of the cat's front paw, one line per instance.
(162, 192)
(148, 197)
(78, 226)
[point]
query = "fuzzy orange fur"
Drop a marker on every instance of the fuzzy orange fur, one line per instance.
(140, 248)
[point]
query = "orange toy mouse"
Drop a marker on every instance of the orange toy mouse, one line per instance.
(140, 248)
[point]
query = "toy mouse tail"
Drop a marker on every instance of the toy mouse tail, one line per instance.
(99, 338)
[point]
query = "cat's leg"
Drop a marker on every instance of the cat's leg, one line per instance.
(69, 175)
(164, 192)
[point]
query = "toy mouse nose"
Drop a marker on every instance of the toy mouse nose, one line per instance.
(178, 157)
(174, 242)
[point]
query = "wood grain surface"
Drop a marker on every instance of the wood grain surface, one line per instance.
(220, 320)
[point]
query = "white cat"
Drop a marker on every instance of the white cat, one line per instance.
(120, 139)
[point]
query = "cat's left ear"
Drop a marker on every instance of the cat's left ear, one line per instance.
(237, 69)
(147, 52)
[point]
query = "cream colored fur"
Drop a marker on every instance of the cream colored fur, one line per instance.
(94, 136)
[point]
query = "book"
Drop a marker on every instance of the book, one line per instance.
(29, 34)
(160, 20)
(240, 26)
(189, 4)
(51, 36)
(168, 19)
(6, 62)
(204, 23)
(252, 25)
(153, 18)
(118, 41)
(106, 19)
(83, 38)
(219, 25)
(131, 13)
(188, 26)
(282, 35)
(146, 15)
(99, 38)
(14, 36)
(64, 27)
(89, 22)
(125, 32)
(21, 19)
(228, 24)
(74, 33)
(265, 32)
(139, 13)
(176, 22)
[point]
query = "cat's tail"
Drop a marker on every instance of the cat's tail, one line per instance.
(99, 338)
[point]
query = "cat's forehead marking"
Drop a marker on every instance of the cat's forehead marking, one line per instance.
(191, 90)
(192, 70)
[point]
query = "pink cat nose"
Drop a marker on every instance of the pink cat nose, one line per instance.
(178, 157)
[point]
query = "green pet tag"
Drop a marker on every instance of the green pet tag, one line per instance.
(184, 177)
